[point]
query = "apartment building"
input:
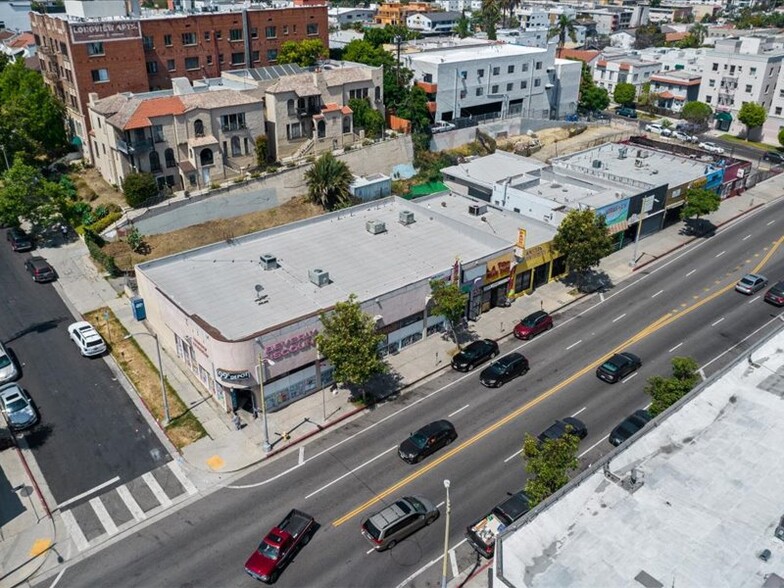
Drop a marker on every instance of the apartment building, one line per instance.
(344, 16)
(610, 19)
(103, 48)
(433, 22)
(613, 70)
(675, 88)
(689, 60)
(396, 13)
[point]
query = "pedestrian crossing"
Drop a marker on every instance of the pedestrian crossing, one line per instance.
(124, 506)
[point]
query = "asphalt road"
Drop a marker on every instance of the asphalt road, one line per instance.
(90, 431)
(683, 306)
(747, 152)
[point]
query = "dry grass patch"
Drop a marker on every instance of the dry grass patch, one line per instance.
(184, 428)
(92, 188)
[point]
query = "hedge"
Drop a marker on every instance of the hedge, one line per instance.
(93, 246)
(101, 224)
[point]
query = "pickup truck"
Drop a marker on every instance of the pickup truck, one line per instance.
(481, 535)
(279, 546)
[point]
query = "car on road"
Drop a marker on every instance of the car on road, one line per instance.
(280, 545)
(503, 370)
(8, 371)
(481, 534)
(87, 339)
(629, 427)
(711, 147)
(389, 526)
(658, 129)
(560, 428)
(627, 112)
(751, 283)
(773, 157)
(427, 440)
(685, 137)
(40, 269)
(19, 240)
(618, 367)
(18, 407)
(775, 295)
(535, 323)
(474, 354)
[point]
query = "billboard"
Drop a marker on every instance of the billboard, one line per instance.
(93, 32)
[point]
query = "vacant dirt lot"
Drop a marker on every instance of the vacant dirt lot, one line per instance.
(556, 141)
(92, 188)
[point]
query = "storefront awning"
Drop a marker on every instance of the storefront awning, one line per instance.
(618, 227)
(724, 116)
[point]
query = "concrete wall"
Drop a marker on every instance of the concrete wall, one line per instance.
(508, 126)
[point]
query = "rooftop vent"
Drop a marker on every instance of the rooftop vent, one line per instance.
(597, 163)
(374, 227)
(477, 209)
(319, 277)
(622, 152)
(406, 217)
(268, 261)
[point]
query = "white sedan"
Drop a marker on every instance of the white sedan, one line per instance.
(711, 147)
(86, 338)
(8, 371)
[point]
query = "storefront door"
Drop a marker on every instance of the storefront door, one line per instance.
(541, 273)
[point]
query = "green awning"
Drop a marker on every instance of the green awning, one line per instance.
(76, 141)
(724, 116)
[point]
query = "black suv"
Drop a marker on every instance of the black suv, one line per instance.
(618, 367)
(474, 354)
(773, 157)
(427, 440)
(40, 269)
(629, 426)
(19, 240)
(560, 428)
(501, 371)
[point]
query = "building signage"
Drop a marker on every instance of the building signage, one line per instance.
(229, 376)
(521, 239)
(498, 268)
(291, 346)
(198, 345)
(91, 32)
(615, 213)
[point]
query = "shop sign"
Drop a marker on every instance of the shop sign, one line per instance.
(291, 346)
(521, 238)
(198, 345)
(230, 376)
(615, 213)
(90, 32)
(498, 268)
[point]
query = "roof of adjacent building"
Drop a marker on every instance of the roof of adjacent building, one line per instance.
(705, 506)
(678, 77)
(144, 110)
(216, 284)
(584, 55)
(474, 52)
(494, 168)
(439, 16)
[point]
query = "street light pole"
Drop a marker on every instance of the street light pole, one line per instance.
(446, 535)
(643, 217)
(267, 447)
(166, 415)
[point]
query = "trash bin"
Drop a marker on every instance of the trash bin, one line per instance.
(137, 307)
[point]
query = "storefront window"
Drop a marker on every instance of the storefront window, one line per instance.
(559, 266)
(523, 281)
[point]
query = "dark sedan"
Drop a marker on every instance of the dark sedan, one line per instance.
(558, 429)
(427, 440)
(474, 354)
(19, 240)
(618, 367)
(629, 426)
(40, 269)
(775, 295)
(773, 157)
(503, 370)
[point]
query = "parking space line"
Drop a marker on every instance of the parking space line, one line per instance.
(592, 447)
(511, 457)
(574, 344)
(657, 293)
(301, 459)
(754, 299)
(720, 254)
(458, 410)
(746, 237)
(616, 319)
(771, 222)
(717, 322)
(103, 516)
(627, 378)
(453, 561)
(691, 272)
(676, 347)
(579, 411)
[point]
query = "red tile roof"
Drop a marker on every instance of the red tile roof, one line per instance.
(346, 110)
(331, 107)
(22, 40)
(667, 95)
(670, 37)
(148, 109)
(583, 55)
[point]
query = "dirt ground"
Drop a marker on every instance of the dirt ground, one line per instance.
(92, 188)
(556, 141)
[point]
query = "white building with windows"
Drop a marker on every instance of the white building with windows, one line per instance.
(341, 16)
(612, 70)
(433, 22)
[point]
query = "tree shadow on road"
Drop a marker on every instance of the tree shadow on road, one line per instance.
(589, 281)
(41, 327)
(698, 227)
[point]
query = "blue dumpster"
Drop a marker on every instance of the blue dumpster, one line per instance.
(137, 307)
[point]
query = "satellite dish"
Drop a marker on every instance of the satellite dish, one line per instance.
(258, 288)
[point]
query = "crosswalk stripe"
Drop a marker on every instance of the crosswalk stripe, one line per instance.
(103, 516)
(176, 469)
(156, 489)
(74, 531)
(131, 503)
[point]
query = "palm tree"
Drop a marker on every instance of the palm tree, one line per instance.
(563, 26)
(699, 32)
(490, 17)
(328, 181)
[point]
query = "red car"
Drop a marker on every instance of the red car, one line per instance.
(533, 324)
(279, 546)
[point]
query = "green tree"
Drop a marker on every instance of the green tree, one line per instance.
(414, 108)
(624, 94)
(463, 26)
(135, 240)
(366, 117)
(699, 202)
(696, 112)
(262, 151)
(583, 239)
(752, 115)
(26, 195)
(549, 465)
(665, 392)
(387, 35)
(563, 27)
(328, 180)
(595, 99)
(362, 51)
(448, 301)
(304, 53)
(699, 32)
(139, 187)
(649, 35)
(490, 17)
(350, 342)
(781, 137)
(686, 369)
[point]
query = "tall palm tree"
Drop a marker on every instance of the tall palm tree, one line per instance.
(563, 26)
(699, 32)
(328, 181)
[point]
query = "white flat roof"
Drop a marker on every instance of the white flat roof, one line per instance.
(491, 51)
(710, 499)
(217, 283)
(493, 168)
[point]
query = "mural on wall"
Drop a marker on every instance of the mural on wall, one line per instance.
(614, 213)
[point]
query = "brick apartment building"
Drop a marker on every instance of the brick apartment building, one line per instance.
(103, 48)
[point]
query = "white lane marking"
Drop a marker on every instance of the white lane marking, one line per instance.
(348, 473)
(720, 254)
(579, 411)
(717, 322)
(74, 531)
(131, 503)
(156, 489)
(617, 318)
(574, 344)
(676, 347)
(301, 459)
(691, 272)
(746, 338)
(627, 378)
(592, 446)
(601, 296)
(57, 578)
(753, 299)
(511, 457)
(369, 551)
(657, 293)
(440, 504)
(178, 472)
(408, 580)
(103, 516)
(746, 237)
(453, 561)
(770, 223)
(458, 410)
(90, 491)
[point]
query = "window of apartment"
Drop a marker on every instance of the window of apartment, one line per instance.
(167, 40)
(778, 110)
(238, 58)
(463, 93)
(715, 67)
(148, 42)
(523, 84)
(255, 56)
(271, 32)
(524, 68)
(220, 58)
(537, 83)
(358, 93)
(538, 65)
(209, 59)
(496, 71)
(272, 54)
(312, 28)
(708, 99)
(509, 87)
(254, 33)
(767, 88)
(235, 34)
(634, 78)
(191, 63)
(480, 91)
(510, 69)
(95, 49)
(218, 35)
(748, 88)
(732, 70)
(781, 93)
(285, 29)
(464, 74)
(63, 48)
(753, 71)
(233, 122)
(291, 107)
(171, 65)
(152, 67)
(293, 131)
(494, 89)
(480, 73)
(73, 100)
(157, 134)
(100, 75)
(198, 127)
(207, 36)
(712, 83)
(155, 162)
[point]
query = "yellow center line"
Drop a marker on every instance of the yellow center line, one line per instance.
(655, 326)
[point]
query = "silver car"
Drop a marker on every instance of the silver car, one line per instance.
(17, 407)
(8, 371)
(751, 283)
(388, 527)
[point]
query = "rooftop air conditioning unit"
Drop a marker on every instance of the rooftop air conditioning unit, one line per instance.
(318, 277)
(477, 209)
(597, 163)
(406, 217)
(375, 227)
(622, 153)
(268, 261)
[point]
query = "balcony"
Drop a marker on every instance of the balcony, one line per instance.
(428, 87)
(139, 145)
(234, 127)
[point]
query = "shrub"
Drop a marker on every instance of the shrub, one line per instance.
(139, 188)
(100, 225)
(239, 179)
(255, 174)
(94, 243)
(214, 186)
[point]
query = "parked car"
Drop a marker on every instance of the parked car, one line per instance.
(690, 128)
(751, 283)
(773, 157)
(560, 428)
(279, 546)
(482, 533)
(629, 427)
(775, 295)
(533, 324)
(685, 137)
(40, 269)
(427, 440)
(19, 240)
(86, 338)
(18, 407)
(658, 129)
(389, 526)
(618, 367)
(711, 147)
(626, 112)
(8, 371)
(474, 354)
(503, 370)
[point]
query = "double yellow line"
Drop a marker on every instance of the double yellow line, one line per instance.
(658, 324)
